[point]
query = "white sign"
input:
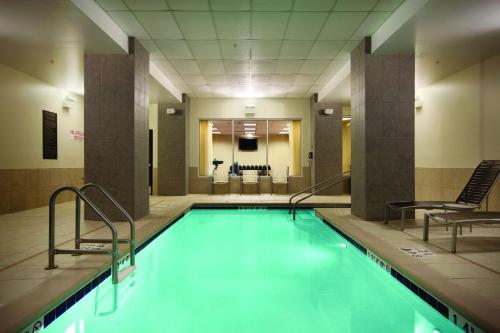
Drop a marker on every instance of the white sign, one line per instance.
(76, 135)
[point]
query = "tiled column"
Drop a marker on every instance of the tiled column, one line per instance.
(173, 145)
(116, 129)
(327, 144)
(382, 130)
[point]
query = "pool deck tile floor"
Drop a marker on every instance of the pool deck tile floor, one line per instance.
(468, 280)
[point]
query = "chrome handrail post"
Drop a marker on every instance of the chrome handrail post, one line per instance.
(77, 222)
(52, 235)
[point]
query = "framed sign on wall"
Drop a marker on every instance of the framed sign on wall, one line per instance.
(49, 124)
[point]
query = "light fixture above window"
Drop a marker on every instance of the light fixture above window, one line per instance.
(249, 124)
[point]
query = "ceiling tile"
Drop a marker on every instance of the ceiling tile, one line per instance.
(159, 25)
(194, 79)
(262, 79)
(370, 24)
(154, 51)
(165, 66)
(341, 25)
(284, 79)
(230, 4)
(235, 49)
(186, 66)
(314, 66)
(265, 49)
(325, 49)
(215, 80)
(310, 5)
(323, 79)
(237, 66)
(388, 5)
(211, 66)
(127, 21)
(299, 89)
(269, 25)
(233, 79)
(174, 49)
(146, 4)
(334, 67)
(305, 79)
(305, 25)
(345, 53)
(263, 66)
(232, 25)
(272, 5)
(196, 25)
(289, 66)
(188, 5)
(112, 4)
(295, 49)
(176, 79)
(355, 5)
(314, 89)
(205, 49)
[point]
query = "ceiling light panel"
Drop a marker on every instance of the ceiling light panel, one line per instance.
(232, 25)
(186, 66)
(211, 66)
(205, 49)
(174, 49)
(355, 5)
(154, 51)
(370, 24)
(127, 21)
(159, 24)
(272, 5)
(305, 25)
(313, 5)
(230, 4)
(342, 25)
(112, 4)
(323, 49)
(265, 49)
(314, 66)
(295, 49)
(196, 25)
(289, 66)
(188, 5)
(146, 4)
(269, 25)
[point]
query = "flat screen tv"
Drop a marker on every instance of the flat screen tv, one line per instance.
(247, 144)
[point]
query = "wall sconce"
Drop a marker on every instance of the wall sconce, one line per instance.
(249, 110)
(327, 112)
(170, 111)
(68, 102)
(418, 104)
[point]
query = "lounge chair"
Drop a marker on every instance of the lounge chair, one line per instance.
(477, 189)
(458, 219)
(280, 179)
(250, 177)
(220, 177)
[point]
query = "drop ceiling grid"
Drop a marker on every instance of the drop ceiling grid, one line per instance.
(185, 36)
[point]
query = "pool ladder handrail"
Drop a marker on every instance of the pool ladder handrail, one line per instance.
(332, 181)
(80, 195)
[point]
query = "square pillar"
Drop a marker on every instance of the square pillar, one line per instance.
(116, 123)
(382, 130)
(327, 143)
(173, 145)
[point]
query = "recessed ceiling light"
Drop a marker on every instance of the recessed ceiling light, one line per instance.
(245, 124)
(249, 129)
(216, 132)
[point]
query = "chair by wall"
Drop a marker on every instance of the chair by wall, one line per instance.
(250, 179)
(220, 182)
(280, 181)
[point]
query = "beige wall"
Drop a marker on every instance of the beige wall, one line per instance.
(233, 108)
(279, 152)
(22, 99)
(26, 179)
(457, 127)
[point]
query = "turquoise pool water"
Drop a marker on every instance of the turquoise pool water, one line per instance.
(252, 271)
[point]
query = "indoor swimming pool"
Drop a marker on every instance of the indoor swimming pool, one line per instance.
(230, 270)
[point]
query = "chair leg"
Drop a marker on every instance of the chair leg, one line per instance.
(454, 238)
(470, 227)
(402, 223)
(426, 228)
(460, 230)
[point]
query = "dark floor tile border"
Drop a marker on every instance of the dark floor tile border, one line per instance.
(229, 205)
(435, 303)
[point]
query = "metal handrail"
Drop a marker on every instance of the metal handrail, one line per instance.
(313, 186)
(53, 251)
(344, 177)
(131, 240)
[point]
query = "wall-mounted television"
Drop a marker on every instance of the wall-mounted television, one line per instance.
(247, 144)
